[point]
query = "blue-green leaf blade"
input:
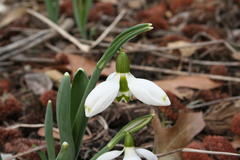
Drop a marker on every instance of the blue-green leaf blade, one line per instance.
(79, 85)
(49, 132)
(63, 115)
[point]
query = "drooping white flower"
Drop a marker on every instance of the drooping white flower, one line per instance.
(130, 153)
(121, 85)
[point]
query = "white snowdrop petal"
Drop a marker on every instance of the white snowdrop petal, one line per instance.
(147, 91)
(111, 76)
(130, 154)
(110, 155)
(146, 154)
(101, 96)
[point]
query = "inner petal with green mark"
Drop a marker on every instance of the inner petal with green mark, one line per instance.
(124, 92)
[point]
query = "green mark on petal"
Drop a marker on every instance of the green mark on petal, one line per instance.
(164, 98)
(124, 93)
(88, 109)
(123, 97)
(123, 84)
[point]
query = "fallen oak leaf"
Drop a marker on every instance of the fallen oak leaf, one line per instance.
(56, 135)
(188, 125)
(41, 132)
(218, 117)
(236, 55)
(12, 15)
(77, 61)
(191, 82)
(185, 51)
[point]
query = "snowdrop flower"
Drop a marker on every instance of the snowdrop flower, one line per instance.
(122, 85)
(130, 152)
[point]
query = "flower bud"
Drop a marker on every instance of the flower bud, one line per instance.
(122, 64)
(128, 141)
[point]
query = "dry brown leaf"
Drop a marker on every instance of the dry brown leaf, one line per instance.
(236, 55)
(56, 135)
(186, 51)
(77, 61)
(3, 8)
(219, 116)
(188, 125)
(54, 75)
(136, 4)
(110, 1)
(236, 142)
(41, 132)
(12, 15)
(191, 82)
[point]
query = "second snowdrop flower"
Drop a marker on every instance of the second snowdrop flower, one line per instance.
(121, 85)
(130, 152)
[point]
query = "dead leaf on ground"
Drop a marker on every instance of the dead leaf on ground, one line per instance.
(56, 135)
(188, 125)
(3, 8)
(185, 51)
(236, 55)
(136, 4)
(41, 132)
(236, 142)
(110, 1)
(77, 61)
(12, 15)
(219, 116)
(188, 82)
(55, 75)
(38, 82)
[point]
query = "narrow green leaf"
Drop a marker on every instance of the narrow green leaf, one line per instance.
(52, 7)
(42, 155)
(81, 9)
(1, 157)
(63, 154)
(63, 115)
(78, 130)
(79, 85)
(132, 127)
(49, 132)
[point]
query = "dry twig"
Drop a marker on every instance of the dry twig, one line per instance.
(21, 47)
(105, 33)
(182, 73)
(213, 102)
(65, 34)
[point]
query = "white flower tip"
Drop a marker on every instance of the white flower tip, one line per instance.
(65, 145)
(88, 111)
(3, 8)
(80, 69)
(166, 101)
(66, 74)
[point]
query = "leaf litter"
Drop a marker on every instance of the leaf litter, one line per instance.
(177, 23)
